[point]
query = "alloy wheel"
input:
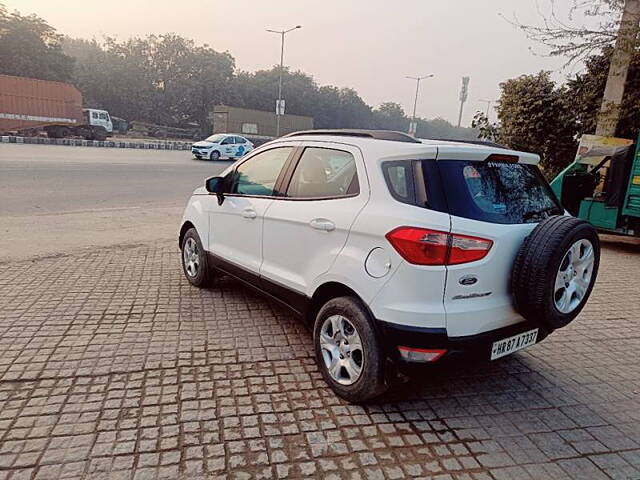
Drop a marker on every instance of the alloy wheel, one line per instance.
(191, 257)
(574, 276)
(342, 349)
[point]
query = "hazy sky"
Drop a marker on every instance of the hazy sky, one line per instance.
(369, 45)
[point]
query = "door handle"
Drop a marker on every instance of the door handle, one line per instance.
(249, 213)
(322, 224)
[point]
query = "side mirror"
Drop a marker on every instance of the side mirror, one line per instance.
(215, 185)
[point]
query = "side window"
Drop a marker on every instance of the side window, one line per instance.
(399, 178)
(241, 140)
(227, 141)
(324, 173)
(258, 175)
(94, 115)
(103, 116)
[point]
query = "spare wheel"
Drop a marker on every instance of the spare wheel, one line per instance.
(555, 270)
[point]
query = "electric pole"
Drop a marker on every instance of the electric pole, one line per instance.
(620, 60)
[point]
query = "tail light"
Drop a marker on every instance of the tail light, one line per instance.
(420, 355)
(421, 246)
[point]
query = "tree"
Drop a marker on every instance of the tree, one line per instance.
(536, 115)
(165, 79)
(586, 90)
(30, 47)
(486, 129)
(568, 37)
(619, 25)
(391, 116)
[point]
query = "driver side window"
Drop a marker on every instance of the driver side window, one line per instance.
(227, 141)
(258, 175)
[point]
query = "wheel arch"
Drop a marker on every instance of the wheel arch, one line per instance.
(183, 230)
(332, 289)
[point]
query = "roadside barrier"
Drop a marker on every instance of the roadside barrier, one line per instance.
(78, 142)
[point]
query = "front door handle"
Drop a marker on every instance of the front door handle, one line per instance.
(249, 213)
(322, 224)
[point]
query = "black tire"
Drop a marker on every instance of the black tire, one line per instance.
(537, 267)
(203, 275)
(215, 155)
(371, 381)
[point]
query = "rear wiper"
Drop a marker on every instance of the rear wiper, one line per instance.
(536, 213)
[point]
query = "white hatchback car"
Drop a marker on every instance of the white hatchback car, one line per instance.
(220, 145)
(396, 250)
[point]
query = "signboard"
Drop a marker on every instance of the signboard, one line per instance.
(280, 107)
(592, 149)
(250, 128)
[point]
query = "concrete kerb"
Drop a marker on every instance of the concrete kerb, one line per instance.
(77, 142)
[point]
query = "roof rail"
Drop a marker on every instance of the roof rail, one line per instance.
(346, 132)
(486, 143)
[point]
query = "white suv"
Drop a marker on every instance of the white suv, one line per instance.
(396, 250)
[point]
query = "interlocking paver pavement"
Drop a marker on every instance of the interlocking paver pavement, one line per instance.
(112, 366)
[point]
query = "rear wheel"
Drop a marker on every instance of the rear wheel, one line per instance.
(347, 350)
(194, 260)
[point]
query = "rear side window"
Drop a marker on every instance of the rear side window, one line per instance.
(324, 173)
(497, 192)
(399, 179)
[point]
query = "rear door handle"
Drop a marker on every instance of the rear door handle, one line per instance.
(249, 213)
(322, 224)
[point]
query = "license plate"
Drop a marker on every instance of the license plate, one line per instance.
(513, 344)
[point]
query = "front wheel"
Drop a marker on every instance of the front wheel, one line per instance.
(215, 155)
(194, 260)
(347, 350)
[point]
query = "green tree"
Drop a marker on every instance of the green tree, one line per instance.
(30, 47)
(536, 115)
(486, 129)
(391, 116)
(165, 79)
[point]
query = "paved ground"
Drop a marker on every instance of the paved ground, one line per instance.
(112, 366)
(57, 199)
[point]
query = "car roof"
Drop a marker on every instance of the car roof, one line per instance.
(384, 148)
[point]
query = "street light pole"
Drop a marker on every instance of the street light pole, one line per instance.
(278, 109)
(488, 102)
(413, 126)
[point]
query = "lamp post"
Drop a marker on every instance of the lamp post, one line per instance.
(488, 102)
(278, 105)
(413, 127)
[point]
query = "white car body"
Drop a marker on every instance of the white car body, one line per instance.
(273, 239)
(227, 146)
(395, 249)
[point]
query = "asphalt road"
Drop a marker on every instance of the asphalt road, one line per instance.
(56, 199)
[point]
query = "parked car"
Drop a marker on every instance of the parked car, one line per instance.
(394, 249)
(221, 146)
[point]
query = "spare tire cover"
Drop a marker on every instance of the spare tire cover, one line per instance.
(555, 270)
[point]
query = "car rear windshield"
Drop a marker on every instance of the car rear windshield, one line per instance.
(497, 192)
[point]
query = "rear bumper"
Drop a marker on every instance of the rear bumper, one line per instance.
(477, 346)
